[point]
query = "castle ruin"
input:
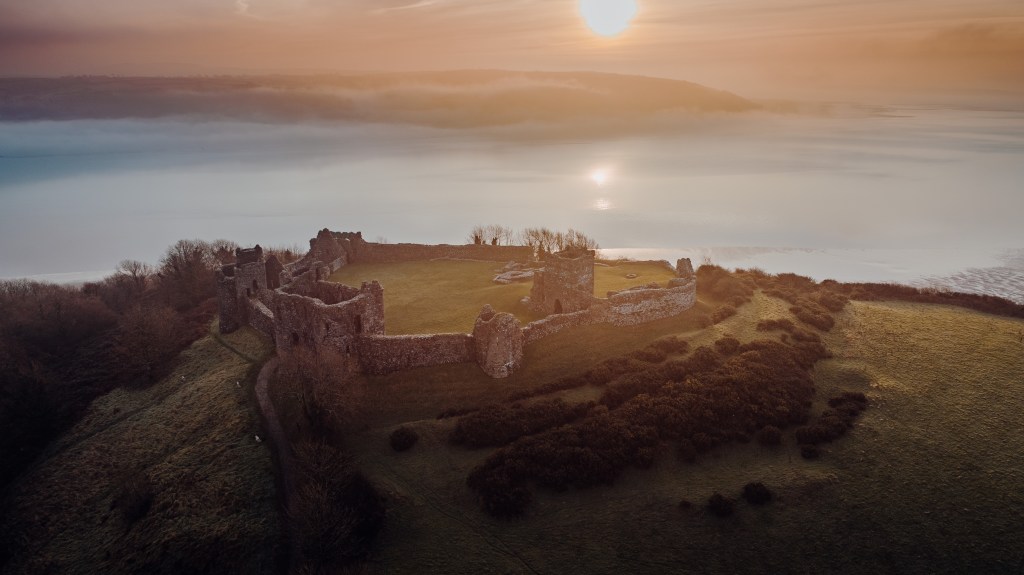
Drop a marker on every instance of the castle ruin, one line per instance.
(296, 305)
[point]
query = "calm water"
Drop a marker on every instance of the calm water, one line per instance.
(925, 192)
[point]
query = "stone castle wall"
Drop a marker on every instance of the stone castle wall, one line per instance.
(637, 306)
(383, 354)
(260, 316)
(555, 323)
(329, 318)
(393, 253)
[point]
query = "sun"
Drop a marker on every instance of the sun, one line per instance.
(600, 176)
(608, 17)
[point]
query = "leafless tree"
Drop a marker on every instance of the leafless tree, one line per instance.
(223, 251)
(137, 272)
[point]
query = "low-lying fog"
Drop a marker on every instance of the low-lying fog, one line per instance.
(938, 190)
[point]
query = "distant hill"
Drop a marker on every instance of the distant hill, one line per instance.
(458, 99)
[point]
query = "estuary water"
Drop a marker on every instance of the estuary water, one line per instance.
(912, 194)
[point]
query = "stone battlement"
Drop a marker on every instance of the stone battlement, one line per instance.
(296, 306)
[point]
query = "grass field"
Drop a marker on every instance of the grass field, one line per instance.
(929, 481)
(457, 289)
(214, 505)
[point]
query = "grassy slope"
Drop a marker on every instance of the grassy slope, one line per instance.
(928, 481)
(458, 289)
(215, 502)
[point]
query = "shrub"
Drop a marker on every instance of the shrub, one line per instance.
(718, 283)
(814, 316)
(498, 425)
(769, 435)
(403, 438)
(697, 403)
(722, 313)
(649, 354)
(727, 345)
(704, 320)
(685, 505)
(721, 506)
(776, 325)
(809, 452)
(672, 344)
(756, 493)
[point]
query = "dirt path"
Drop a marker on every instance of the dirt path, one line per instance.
(275, 433)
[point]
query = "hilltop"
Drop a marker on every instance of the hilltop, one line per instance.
(452, 99)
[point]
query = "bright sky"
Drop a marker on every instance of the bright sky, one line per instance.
(764, 46)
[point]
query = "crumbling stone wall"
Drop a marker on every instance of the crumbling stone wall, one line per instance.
(566, 284)
(328, 328)
(381, 354)
(645, 304)
(260, 316)
(296, 306)
(555, 323)
(498, 341)
(393, 253)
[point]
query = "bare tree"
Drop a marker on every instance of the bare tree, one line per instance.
(477, 234)
(223, 251)
(137, 272)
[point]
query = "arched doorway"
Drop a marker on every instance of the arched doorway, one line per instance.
(558, 306)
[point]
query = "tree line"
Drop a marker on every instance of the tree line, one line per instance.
(63, 345)
(542, 240)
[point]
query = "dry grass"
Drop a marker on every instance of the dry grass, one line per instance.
(445, 296)
(192, 445)
(927, 482)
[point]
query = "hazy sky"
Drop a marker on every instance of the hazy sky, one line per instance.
(764, 47)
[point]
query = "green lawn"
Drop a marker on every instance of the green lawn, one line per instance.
(445, 296)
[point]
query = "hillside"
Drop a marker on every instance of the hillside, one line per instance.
(169, 479)
(454, 99)
(926, 482)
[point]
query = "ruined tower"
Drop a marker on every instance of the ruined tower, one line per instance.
(242, 279)
(566, 283)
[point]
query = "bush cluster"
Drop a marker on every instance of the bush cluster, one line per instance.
(811, 302)
(769, 435)
(497, 425)
(833, 422)
(697, 404)
(791, 330)
(403, 438)
(718, 283)
(756, 493)
(599, 375)
(722, 313)
(720, 505)
(983, 303)
(727, 345)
